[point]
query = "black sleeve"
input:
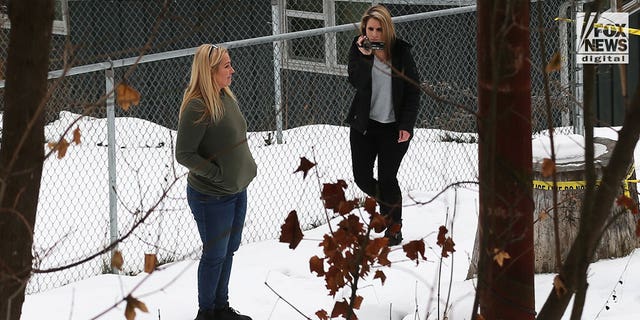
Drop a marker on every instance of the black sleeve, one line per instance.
(359, 67)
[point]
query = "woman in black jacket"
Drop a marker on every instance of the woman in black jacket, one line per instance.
(383, 112)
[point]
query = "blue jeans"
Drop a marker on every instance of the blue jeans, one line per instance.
(220, 220)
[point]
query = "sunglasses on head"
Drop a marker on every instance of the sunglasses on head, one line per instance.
(213, 46)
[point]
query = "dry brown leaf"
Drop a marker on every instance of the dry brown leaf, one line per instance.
(447, 247)
(127, 96)
(378, 223)
(627, 203)
(383, 258)
(59, 147)
(62, 148)
(548, 167)
(150, 262)
(543, 215)
(554, 64)
(290, 231)
(334, 280)
(322, 314)
(333, 194)
(76, 136)
(132, 305)
(344, 207)
(559, 286)
(442, 231)
(117, 260)
(316, 265)
(357, 302)
(380, 275)
(413, 249)
(499, 256)
(375, 246)
(370, 205)
(305, 166)
(340, 309)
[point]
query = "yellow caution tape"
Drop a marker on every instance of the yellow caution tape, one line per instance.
(560, 185)
(600, 25)
(581, 185)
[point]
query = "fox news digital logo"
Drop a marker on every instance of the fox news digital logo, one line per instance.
(605, 41)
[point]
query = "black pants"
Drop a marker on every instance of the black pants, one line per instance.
(381, 142)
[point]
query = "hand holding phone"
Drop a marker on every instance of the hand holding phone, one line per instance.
(363, 46)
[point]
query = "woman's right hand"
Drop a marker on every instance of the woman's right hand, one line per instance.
(359, 42)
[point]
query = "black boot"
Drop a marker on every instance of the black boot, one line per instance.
(205, 315)
(228, 313)
(393, 233)
(394, 238)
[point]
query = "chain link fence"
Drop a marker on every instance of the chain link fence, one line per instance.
(293, 90)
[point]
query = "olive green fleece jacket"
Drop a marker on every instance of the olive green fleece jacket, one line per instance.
(216, 154)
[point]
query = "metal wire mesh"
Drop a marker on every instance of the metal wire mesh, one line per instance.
(297, 85)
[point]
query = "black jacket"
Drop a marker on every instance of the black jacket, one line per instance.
(406, 95)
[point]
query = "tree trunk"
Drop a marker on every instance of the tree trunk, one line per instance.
(22, 149)
(506, 206)
(618, 240)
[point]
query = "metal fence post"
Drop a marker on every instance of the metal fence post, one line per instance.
(111, 140)
(277, 61)
(564, 36)
(578, 122)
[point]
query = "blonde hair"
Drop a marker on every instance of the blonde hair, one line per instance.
(206, 60)
(380, 13)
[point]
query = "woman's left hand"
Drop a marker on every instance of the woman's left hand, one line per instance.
(403, 136)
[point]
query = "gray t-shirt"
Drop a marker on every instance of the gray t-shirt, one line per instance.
(381, 105)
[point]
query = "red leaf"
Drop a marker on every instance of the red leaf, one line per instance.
(322, 315)
(378, 222)
(357, 302)
(382, 258)
(329, 245)
(375, 246)
(442, 231)
(305, 166)
(352, 225)
(628, 203)
(317, 265)
(333, 194)
(380, 275)
(370, 205)
(414, 248)
(341, 309)
(290, 231)
(346, 206)
(343, 238)
(447, 247)
(334, 281)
